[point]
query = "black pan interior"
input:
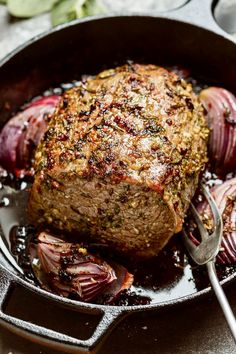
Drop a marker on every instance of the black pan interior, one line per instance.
(90, 46)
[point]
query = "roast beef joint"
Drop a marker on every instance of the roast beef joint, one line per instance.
(121, 158)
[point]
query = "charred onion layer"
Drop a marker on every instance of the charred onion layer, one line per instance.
(21, 135)
(72, 271)
(220, 105)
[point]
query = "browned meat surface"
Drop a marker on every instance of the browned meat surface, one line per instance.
(121, 159)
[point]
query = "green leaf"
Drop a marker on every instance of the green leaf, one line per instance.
(29, 8)
(68, 10)
(3, 1)
(93, 7)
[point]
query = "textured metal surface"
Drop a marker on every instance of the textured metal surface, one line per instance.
(108, 314)
(107, 320)
(15, 32)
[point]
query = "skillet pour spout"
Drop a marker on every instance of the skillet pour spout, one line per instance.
(188, 35)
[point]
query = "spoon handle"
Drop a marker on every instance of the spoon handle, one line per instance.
(228, 313)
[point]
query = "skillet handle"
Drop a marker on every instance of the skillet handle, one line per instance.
(197, 12)
(110, 317)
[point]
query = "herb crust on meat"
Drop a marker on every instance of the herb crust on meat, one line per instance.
(121, 159)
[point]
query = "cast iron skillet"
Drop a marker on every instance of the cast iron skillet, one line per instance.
(188, 35)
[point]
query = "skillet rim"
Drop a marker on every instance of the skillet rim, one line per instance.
(169, 16)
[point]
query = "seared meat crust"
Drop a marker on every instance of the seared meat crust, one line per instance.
(121, 159)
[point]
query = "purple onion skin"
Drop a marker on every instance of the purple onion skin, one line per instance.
(225, 198)
(220, 105)
(72, 271)
(22, 133)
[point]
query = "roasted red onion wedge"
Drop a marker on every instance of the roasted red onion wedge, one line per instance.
(69, 270)
(123, 281)
(22, 133)
(225, 198)
(220, 105)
